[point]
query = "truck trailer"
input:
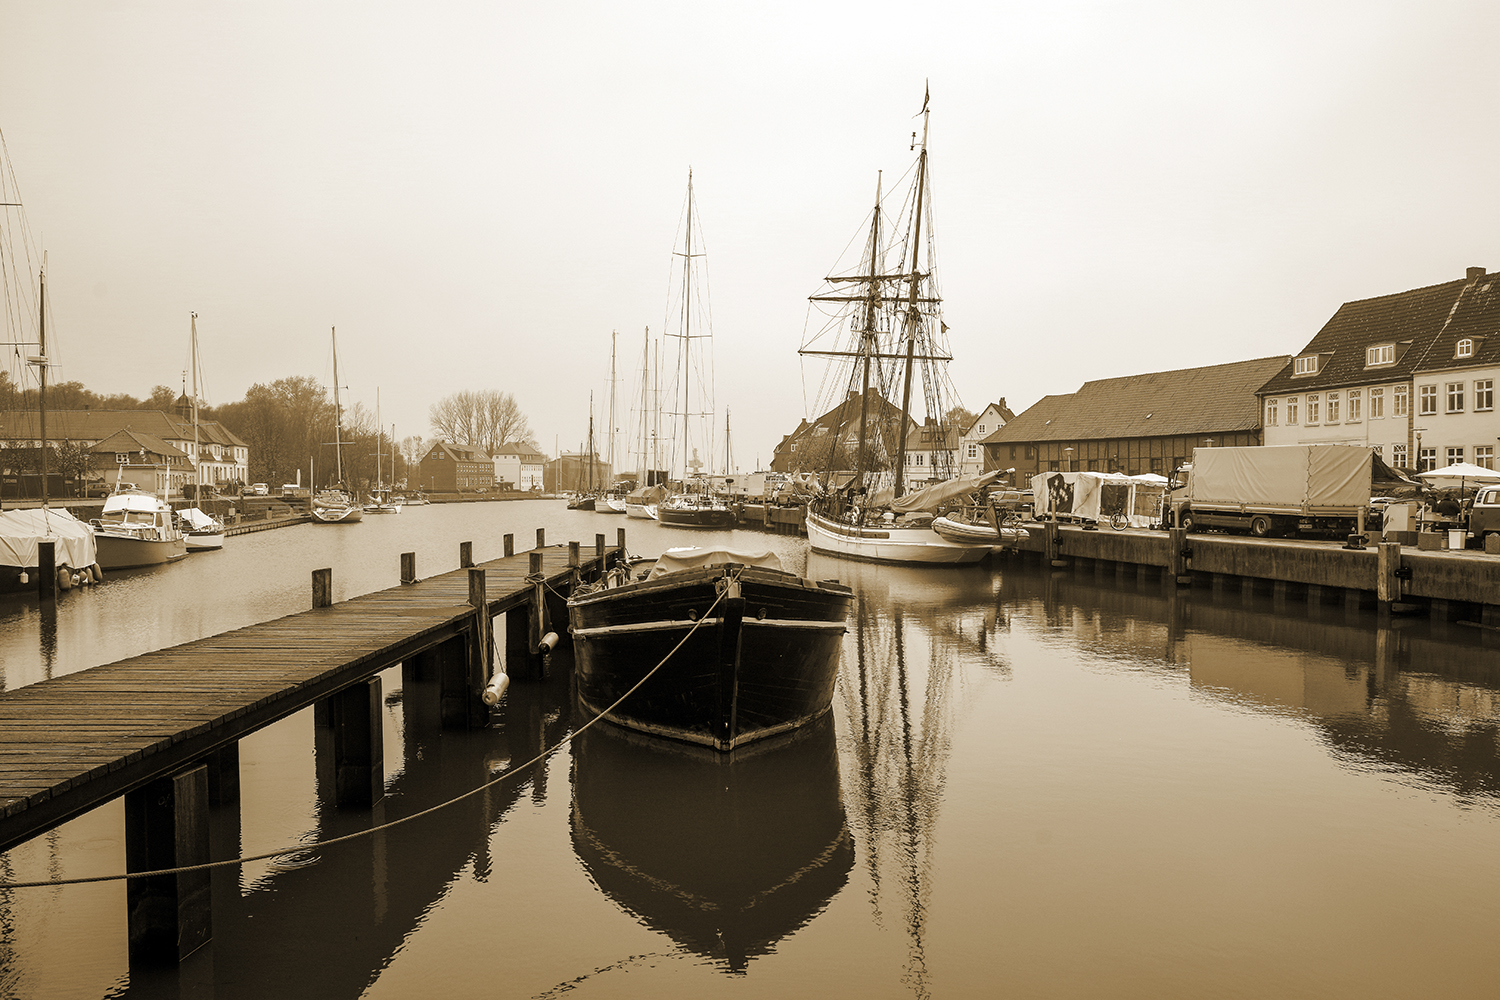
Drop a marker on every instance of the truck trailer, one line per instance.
(1280, 489)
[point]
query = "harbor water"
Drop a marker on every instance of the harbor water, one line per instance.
(1034, 783)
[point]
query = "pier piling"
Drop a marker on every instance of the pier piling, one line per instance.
(166, 826)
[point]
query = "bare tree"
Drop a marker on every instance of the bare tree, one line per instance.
(483, 419)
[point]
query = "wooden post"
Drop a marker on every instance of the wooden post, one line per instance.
(166, 826)
(465, 555)
(408, 567)
(510, 545)
(1387, 583)
(1177, 562)
(223, 767)
(620, 541)
(322, 588)
(541, 538)
(46, 571)
(523, 655)
(598, 556)
(358, 745)
(573, 557)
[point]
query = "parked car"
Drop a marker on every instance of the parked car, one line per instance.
(259, 490)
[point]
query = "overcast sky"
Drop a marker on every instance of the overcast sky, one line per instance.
(477, 194)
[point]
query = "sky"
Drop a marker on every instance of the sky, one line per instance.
(476, 195)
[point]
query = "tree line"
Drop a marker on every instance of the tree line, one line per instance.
(288, 426)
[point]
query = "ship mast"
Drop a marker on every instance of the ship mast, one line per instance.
(197, 477)
(687, 332)
(338, 446)
(911, 305)
(41, 365)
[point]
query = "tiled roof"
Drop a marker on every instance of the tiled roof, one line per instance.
(1424, 324)
(520, 448)
(1215, 399)
(96, 425)
(133, 441)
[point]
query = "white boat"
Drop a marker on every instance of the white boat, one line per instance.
(887, 327)
(74, 558)
(137, 528)
(380, 500)
(336, 505)
(201, 530)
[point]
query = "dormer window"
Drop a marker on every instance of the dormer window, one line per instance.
(1465, 349)
(1381, 354)
(1306, 365)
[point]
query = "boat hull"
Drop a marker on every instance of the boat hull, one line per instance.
(696, 517)
(763, 662)
(644, 511)
(117, 552)
(203, 541)
(336, 515)
(982, 534)
(890, 544)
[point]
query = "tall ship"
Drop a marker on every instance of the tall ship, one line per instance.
(886, 345)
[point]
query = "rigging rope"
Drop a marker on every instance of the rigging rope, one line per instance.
(305, 848)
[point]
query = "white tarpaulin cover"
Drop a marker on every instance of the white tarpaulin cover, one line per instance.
(677, 560)
(932, 497)
(198, 520)
(1322, 475)
(1096, 496)
(21, 530)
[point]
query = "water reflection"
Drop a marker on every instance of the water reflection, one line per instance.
(725, 854)
(1411, 696)
(328, 928)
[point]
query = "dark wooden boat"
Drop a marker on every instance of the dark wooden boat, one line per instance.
(747, 650)
(696, 510)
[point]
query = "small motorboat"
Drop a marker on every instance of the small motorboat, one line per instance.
(137, 528)
(201, 531)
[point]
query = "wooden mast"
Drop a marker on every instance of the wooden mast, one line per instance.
(42, 372)
(911, 306)
(197, 477)
(338, 447)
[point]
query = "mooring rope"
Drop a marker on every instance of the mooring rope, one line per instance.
(305, 848)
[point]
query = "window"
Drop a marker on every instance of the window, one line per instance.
(981, 428)
(1484, 456)
(1012, 451)
(1312, 408)
(1156, 466)
(122, 458)
(1484, 394)
(1427, 400)
(1093, 465)
(1333, 408)
(1355, 403)
(1291, 410)
(1455, 397)
(1465, 349)
(973, 451)
(1383, 354)
(1377, 404)
(1052, 467)
(1398, 401)
(1427, 460)
(1455, 455)
(1378, 449)
(1031, 452)
(1398, 455)
(1305, 366)
(1270, 413)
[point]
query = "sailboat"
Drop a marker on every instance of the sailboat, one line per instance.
(336, 505)
(201, 530)
(887, 325)
(586, 500)
(641, 502)
(697, 505)
(381, 501)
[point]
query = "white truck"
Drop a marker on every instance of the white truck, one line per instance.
(1280, 489)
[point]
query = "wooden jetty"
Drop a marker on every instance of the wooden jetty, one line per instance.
(163, 729)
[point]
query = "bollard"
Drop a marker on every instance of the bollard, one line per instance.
(408, 567)
(541, 538)
(510, 546)
(465, 555)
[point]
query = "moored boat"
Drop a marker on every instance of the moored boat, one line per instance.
(696, 510)
(136, 528)
(736, 648)
(642, 502)
(74, 552)
(200, 530)
(336, 506)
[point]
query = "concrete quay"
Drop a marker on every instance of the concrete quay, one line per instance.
(1456, 585)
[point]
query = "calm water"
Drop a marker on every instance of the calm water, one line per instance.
(1032, 785)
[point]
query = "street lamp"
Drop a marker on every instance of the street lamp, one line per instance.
(1068, 452)
(1418, 456)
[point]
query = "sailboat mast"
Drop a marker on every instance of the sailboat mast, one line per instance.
(591, 442)
(614, 336)
(197, 478)
(42, 372)
(687, 330)
(338, 447)
(867, 341)
(645, 405)
(728, 468)
(378, 480)
(911, 304)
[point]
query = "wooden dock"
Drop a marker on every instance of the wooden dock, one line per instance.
(165, 726)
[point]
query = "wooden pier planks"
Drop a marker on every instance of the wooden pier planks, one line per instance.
(74, 742)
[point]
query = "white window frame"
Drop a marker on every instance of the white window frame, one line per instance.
(1398, 455)
(1455, 454)
(1484, 394)
(1455, 397)
(1305, 365)
(1400, 401)
(1427, 400)
(1356, 402)
(1310, 417)
(1484, 456)
(1291, 411)
(1331, 412)
(1380, 354)
(1377, 404)
(1270, 413)
(1464, 348)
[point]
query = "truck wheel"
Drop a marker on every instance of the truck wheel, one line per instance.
(1260, 526)
(1185, 521)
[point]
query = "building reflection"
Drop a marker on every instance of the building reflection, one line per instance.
(1415, 696)
(726, 854)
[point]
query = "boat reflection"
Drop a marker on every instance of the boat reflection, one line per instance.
(726, 855)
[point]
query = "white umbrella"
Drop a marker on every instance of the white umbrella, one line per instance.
(1462, 471)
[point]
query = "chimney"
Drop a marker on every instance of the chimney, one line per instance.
(1475, 272)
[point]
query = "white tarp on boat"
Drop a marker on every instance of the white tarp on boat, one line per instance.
(22, 530)
(198, 520)
(676, 560)
(1096, 496)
